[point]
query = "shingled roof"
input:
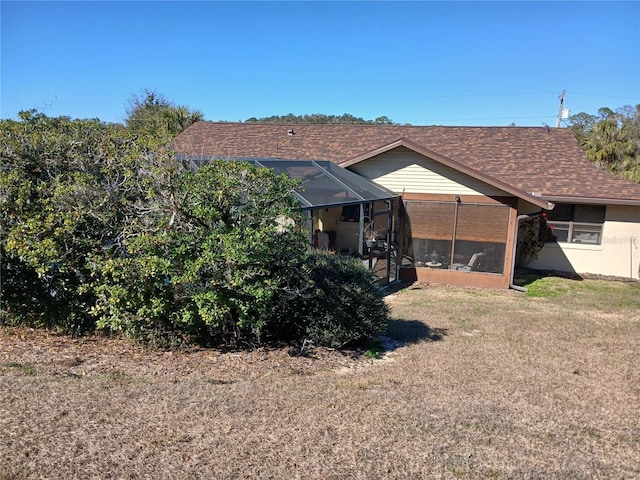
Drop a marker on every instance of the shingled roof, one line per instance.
(545, 162)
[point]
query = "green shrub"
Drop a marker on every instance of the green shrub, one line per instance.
(213, 262)
(342, 305)
(65, 186)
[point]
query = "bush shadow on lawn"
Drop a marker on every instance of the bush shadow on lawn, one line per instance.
(527, 276)
(413, 331)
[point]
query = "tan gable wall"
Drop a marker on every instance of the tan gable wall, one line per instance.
(402, 169)
(618, 255)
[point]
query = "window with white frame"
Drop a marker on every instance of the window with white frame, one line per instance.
(576, 223)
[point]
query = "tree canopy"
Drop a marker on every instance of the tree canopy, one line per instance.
(611, 139)
(67, 189)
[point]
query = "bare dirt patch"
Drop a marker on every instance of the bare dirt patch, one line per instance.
(487, 384)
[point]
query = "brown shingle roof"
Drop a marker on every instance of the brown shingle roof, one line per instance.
(547, 161)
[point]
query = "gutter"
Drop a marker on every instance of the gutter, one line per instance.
(513, 252)
(587, 200)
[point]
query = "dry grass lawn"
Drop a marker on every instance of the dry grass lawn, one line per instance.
(489, 384)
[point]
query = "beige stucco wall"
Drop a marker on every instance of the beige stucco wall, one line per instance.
(619, 254)
(403, 170)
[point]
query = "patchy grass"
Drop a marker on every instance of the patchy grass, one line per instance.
(488, 384)
(24, 369)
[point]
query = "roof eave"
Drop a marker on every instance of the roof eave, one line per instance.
(403, 142)
(588, 200)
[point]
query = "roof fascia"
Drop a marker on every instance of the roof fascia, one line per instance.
(589, 200)
(403, 142)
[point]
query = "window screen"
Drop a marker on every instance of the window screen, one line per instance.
(482, 223)
(480, 236)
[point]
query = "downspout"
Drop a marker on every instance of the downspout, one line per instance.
(453, 233)
(632, 243)
(513, 255)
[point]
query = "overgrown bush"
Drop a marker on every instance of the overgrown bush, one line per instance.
(104, 228)
(65, 189)
(219, 262)
(344, 304)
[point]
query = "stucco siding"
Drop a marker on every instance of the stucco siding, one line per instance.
(618, 255)
(403, 170)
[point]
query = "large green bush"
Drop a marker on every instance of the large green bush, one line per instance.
(342, 303)
(66, 187)
(219, 263)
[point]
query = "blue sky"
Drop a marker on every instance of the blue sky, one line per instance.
(425, 63)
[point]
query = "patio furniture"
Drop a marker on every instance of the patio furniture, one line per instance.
(474, 263)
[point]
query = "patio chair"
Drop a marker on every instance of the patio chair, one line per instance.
(475, 262)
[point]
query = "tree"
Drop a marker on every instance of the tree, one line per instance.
(221, 257)
(152, 114)
(217, 258)
(611, 139)
(103, 227)
(609, 145)
(383, 120)
(582, 124)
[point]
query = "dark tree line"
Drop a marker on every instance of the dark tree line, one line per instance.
(320, 118)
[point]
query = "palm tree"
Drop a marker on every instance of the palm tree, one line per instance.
(177, 119)
(609, 146)
(153, 115)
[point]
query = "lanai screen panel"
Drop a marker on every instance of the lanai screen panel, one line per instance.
(483, 223)
(319, 188)
(365, 188)
(326, 184)
(462, 237)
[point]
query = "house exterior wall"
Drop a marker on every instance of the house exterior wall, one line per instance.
(618, 255)
(417, 177)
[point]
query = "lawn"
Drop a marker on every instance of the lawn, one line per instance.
(487, 384)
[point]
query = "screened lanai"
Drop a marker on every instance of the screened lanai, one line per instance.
(355, 214)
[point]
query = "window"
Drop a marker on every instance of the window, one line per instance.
(577, 223)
